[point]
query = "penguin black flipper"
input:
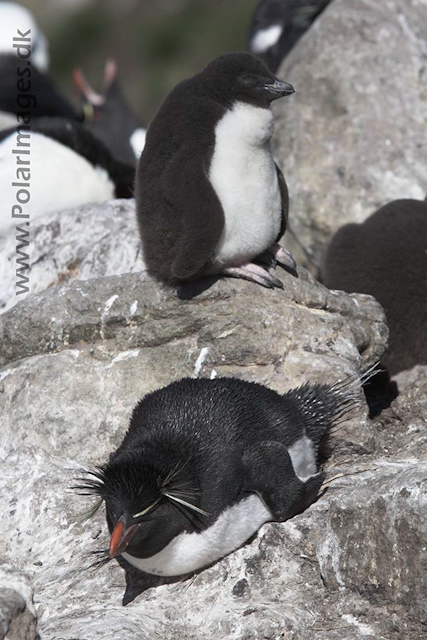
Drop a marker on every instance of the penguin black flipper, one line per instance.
(185, 180)
(270, 473)
(284, 194)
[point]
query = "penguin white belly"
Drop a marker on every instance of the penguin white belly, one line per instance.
(191, 551)
(244, 176)
(58, 179)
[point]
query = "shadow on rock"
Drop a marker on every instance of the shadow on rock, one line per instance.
(190, 290)
(137, 581)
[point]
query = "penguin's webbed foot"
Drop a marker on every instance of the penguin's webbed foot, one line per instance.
(254, 273)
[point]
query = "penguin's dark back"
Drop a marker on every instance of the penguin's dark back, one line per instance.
(386, 257)
(211, 422)
(184, 122)
(187, 114)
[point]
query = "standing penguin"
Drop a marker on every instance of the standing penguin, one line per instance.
(210, 198)
(109, 116)
(277, 25)
(206, 462)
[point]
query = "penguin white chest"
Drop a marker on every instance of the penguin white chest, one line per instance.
(244, 176)
(191, 551)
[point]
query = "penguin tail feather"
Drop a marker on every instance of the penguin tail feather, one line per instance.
(324, 405)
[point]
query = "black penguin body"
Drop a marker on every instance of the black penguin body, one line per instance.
(192, 167)
(110, 118)
(206, 462)
(277, 25)
(386, 257)
(64, 155)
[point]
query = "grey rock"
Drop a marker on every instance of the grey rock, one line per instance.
(402, 427)
(351, 139)
(76, 358)
(18, 620)
(90, 241)
(119, 330)
(376, 538)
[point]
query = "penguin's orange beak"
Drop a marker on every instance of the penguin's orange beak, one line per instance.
(121, 537)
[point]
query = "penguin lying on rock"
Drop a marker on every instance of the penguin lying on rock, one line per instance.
(56, 164)
(277, 25)
(210, 198)
(206, 462)
(24, 60)
(110, 118)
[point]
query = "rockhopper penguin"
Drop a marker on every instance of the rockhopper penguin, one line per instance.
(206, 462)
(210, 198)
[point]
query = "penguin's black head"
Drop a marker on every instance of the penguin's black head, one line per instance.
(242, 77)
(146, 506)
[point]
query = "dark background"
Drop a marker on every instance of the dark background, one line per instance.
(156, 43)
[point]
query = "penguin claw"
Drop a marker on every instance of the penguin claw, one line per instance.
(283, 257)
(254, 273)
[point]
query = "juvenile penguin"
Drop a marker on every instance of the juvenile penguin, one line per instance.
(277, 25)
(206, 462)
(109, 116)
(24, 61)
(386, 257)
(210, 198)
(56, 164)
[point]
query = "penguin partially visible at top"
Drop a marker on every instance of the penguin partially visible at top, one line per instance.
(277, 25)
(109, 116)
(206, 462)
(24, 85)
(386, 257)
(210, 198)
(58, 164)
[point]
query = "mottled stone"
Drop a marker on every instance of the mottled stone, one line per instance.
(18, 619)
(376, 538)
(353, 136)
(91, 241)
